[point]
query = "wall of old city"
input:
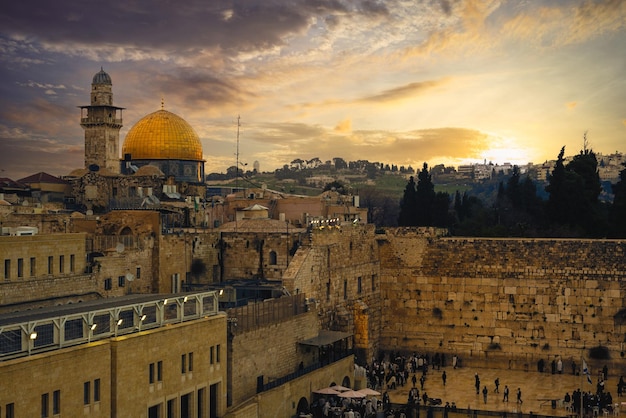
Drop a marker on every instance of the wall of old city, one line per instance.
(270, 352)
(257, 254)
(339, 269)
(175, 256)
(511, 302)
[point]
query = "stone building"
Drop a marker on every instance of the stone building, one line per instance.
(143, 356)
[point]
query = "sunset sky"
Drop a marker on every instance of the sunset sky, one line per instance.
(396, 81)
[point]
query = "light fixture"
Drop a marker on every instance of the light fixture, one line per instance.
(119, 322)
(143, 317)
(93, 326)
(221, 292)
(33, 335)
(165, 302)
(185, 299)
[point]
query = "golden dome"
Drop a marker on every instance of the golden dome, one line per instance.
(162, 135)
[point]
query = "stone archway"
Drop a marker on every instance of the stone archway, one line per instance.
(303, 406)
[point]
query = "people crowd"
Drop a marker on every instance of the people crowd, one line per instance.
(395, 371)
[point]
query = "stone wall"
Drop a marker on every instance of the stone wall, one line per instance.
(270, 352)
(339, 269)
(509, 302)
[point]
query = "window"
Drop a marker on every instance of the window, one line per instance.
(56, 402)
(151, 373)
(171, 409)
(373, 282)
(33, 266)
(272, 257)
(358, 285)
(328, 290)
(7, 269)
(183, 363)
(44, 405)
(9, 410)
(190, 358)
(20, 267)
(217, 353)
(72, 263)
(160, 371)
(96, 390)
(86, 393)
(61, 263)
(345, 289)
(50, 264)
(138, 273)
(107, 284)
(121, 281)
(211, 355)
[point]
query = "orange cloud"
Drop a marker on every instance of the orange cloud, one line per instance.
(571, 105)
(344, 127)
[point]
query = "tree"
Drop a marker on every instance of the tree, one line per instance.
(618, 208)
(408, 205)
(425, 195)
(574, 190)
(340, 163)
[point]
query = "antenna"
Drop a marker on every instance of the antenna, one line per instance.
(237, 155)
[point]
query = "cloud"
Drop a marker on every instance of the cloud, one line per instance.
(345, 126)
(571, 105)
(403, 92)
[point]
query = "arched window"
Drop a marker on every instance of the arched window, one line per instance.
(272, 257)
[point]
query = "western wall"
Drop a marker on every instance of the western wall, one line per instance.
(505, 303)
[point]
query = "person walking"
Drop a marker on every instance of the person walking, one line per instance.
(485, 392)
(497, 383)
(519, 396)
(505, 398)
(414, 380)
(477, 383)
(444, 377)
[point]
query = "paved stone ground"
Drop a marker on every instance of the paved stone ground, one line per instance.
(537, 389)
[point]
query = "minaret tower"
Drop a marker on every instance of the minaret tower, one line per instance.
(102, 123)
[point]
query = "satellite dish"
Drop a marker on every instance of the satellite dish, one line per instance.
(130, 277)
(119, 247)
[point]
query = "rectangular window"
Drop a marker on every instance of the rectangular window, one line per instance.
(9, 410)
(56, 402)
(86, 393)
(50, 264)
(20, 267)
(345, 289)
(7, 269)
(211, 355)
(72, 263)
(61, 264)
(217, 353)
(138, 273)
(183, 363)
(44, 405)
(33, 267)
(121, 281)
(328, 290)
(373, 282)
(107, 283)
(190, 358)
(96, 390)
(359, 289)
(171, 408)
(151, 373)
(160, 371)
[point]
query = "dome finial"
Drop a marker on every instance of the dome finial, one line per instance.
(162, 103)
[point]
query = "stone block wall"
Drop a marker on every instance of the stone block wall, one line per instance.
(339, 268)
(271, 352)
(510, 302)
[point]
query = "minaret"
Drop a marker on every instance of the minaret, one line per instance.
(102, 123)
